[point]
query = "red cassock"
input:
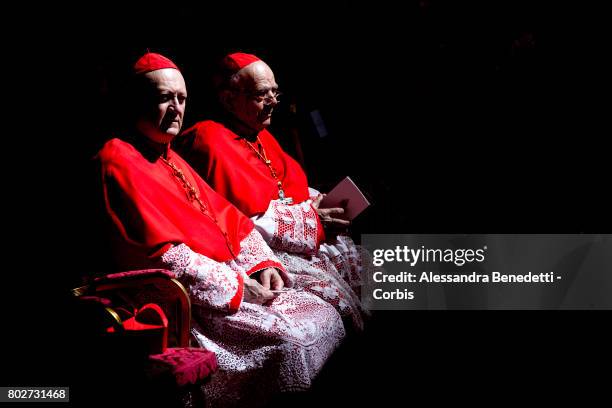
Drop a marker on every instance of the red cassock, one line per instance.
(294, 231)
(237, 173)
(212, 247)
(152, 212)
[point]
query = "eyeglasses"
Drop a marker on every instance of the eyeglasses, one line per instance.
(265, 96)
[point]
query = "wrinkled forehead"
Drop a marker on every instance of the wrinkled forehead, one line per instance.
(257, 75)
(167, 79)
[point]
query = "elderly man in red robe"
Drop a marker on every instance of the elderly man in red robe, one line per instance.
(162, 214)
(243, 162)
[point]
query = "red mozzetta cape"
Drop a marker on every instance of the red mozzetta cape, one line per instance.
(149, 207)
(236, 172)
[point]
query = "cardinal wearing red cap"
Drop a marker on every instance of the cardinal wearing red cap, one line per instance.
(242, 161)
(161, 213)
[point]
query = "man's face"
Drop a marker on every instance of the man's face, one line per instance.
(252, 103)
(162, 119)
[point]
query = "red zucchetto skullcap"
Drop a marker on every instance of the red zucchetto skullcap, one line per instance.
(152, 62)
(238, 60)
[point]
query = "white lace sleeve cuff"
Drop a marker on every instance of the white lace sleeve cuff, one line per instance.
(255, 255)
(313, 193)
(290, 228)
(210, 284)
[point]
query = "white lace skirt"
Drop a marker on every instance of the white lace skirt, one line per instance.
(263, 350)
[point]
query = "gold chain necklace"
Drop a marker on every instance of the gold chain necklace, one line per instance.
(192, 195)
(262, 155)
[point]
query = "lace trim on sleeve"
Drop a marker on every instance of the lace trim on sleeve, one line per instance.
(291, 228)
(256, 255)
(210, 284)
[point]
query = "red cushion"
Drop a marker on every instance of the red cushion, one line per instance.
(188, 365)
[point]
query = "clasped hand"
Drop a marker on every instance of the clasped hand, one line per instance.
(257, 289)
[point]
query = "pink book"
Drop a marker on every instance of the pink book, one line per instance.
(348, 196)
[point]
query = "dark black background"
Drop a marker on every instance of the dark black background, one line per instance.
(458, 116)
